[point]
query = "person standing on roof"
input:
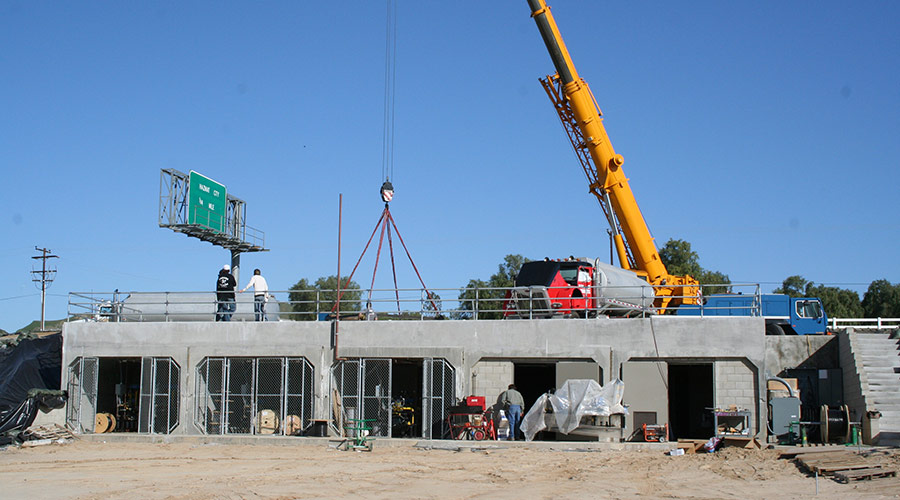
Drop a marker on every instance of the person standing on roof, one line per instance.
(513, 402)
(260, 295)
(225, 285)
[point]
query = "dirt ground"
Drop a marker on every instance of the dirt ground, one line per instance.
(98, 470)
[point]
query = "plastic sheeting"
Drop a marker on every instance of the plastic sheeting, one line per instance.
(575, 399)
(32, 363)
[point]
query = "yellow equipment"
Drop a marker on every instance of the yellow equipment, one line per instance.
(581, 117)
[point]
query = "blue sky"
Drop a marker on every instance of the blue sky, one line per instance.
(764, 133)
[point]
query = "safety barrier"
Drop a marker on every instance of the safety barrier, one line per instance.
(394, 304)
(863, 323)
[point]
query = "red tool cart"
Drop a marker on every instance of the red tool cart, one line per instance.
(471, 421)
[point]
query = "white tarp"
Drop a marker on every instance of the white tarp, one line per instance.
(575, 399)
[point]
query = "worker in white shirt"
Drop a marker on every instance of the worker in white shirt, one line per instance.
(260, 294)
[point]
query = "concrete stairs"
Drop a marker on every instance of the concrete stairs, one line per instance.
(878, 359)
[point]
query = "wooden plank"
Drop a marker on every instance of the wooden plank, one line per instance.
(744, 442)
(835, 455)
(864, 474)
(691, 445)
(803, 450)
(829, 469)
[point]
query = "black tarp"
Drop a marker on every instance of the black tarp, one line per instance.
(30, 365)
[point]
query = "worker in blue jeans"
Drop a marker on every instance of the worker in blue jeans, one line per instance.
(513, 402)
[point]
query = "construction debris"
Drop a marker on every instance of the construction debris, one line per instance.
(842, 464)
(51, 432)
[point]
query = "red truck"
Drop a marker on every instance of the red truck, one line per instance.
(576, 287)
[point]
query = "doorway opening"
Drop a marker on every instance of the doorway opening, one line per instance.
(406, 394)
(533, 379)
(401, 397)
(690, 397)
(118, 390)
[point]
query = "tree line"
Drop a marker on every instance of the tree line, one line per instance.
(881, 299)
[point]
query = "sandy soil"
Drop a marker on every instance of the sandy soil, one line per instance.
(97, 470)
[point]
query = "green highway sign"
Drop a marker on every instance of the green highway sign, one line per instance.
(206, 202)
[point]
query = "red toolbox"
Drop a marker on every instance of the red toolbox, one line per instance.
(476, 401)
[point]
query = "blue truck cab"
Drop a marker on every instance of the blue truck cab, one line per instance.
(784, 315)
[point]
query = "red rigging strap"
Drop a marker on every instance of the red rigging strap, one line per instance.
(394, 268)
(378, 253)
(349, 278)
(383, 223)
(428, 294)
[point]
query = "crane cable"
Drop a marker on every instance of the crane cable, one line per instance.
(390, 71)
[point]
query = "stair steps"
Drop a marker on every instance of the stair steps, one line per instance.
(879, 357)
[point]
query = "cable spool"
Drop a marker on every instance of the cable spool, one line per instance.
(834, 424)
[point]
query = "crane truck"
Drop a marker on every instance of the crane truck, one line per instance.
(582, 120)
(577, 287)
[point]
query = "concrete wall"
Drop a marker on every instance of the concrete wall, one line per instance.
(736, 384)
(804, 351)
(490, 378)
(485, 348)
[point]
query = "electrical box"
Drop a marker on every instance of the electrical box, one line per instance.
(784, 411)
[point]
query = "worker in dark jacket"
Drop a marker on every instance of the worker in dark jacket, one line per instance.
(225, 285)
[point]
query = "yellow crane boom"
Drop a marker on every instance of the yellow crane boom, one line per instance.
(582, 119)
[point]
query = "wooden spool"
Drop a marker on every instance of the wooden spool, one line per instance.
(266, 422)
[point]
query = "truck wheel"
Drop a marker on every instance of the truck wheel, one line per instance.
(773, 329)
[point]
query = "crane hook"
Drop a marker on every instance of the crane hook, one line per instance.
(387, 192)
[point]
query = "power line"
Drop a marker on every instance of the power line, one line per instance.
(18, 297)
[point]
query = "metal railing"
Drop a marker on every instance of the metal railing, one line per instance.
(394, 304)
(863, 323)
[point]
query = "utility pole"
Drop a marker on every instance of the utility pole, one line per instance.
(45, 277)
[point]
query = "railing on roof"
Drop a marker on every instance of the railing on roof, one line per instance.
(384, 304)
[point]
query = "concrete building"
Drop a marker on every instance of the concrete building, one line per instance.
(195, 378)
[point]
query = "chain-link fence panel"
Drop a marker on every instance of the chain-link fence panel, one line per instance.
(266, 395)
(159, 395)
(82, 404)
(364, 389)
(239, 407)
(438, 393)
(210, 396)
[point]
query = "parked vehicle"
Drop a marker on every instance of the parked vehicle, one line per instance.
(784, 315)
(576, 288)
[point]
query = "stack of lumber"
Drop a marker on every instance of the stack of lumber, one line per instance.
(53, 431)
(843, 464)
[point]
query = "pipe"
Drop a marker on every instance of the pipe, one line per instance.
(783, 381)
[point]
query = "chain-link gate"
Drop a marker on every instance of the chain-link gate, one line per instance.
(438, 393)
(159, 395)
(82, 405)
(266, 395)
(364, 388)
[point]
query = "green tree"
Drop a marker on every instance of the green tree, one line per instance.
(306, 300)
(490, 293)
(882, 300)
(680, 260)
(793, 286)
(838, 302)
(432, 305)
